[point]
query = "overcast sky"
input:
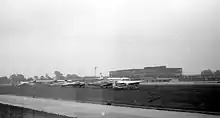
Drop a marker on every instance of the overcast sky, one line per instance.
(73, 36)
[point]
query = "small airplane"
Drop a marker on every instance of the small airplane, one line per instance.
(57, 82)
(126, 84)
(25, 83)
(130, 82)
(101, 84)
(123, 82)
(118, 79)
(73, 84)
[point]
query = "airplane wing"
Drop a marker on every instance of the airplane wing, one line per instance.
(129, 82)
(69, 83)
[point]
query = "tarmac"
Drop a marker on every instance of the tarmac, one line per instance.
(181, 83)
(88, 110)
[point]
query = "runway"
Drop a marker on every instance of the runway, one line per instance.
(88, 110)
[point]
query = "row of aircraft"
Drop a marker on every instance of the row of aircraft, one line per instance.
(116, 83)
(122, 83)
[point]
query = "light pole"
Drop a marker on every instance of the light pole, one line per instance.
(95, 70)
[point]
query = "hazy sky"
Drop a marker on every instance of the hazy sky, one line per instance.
(73, 36)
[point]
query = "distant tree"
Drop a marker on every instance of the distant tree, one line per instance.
(47, 76)
(59, 75)
(30, 79)
(72, 76)
(17, 78)
(207, 73)
(217, 73)
(36, 77)
(12, 76)
(42, 77)
(4, 80)
(68, 76)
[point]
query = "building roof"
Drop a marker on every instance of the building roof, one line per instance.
(116, 78)
(155, 67)
(126, 70)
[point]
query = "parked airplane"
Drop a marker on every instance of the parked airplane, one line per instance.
(129, 82)
(123, 82)
(101, 84)
(118, 79)
(73, 84)
(25, 83)
(55, 83)
(115, 82)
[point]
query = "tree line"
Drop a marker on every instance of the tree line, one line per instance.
(209, 72)
(16, 78)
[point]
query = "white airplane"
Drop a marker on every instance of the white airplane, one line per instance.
(126, 84)
(22, 83)
(73, 84)
(129, 82)
(25, 83)
(101, 83)
(118, 79)
(123, 82)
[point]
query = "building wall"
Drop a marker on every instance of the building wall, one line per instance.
(148, 72)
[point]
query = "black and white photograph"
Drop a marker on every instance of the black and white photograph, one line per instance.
(109, 59)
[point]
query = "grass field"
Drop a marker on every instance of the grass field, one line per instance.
(190, 97)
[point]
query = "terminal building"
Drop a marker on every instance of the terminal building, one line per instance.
(148, 72)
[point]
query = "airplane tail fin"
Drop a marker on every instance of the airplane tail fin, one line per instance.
(101, 76)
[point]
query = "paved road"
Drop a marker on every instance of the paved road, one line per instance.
(87, 110)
